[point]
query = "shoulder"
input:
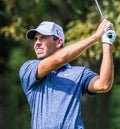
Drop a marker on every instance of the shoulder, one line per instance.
(75, 71)
(79, 69)
(30, 64)
(83, 69)
(84, 73)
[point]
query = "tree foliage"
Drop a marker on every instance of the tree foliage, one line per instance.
(78, 29)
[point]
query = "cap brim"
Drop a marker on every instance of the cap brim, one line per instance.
(31, 34)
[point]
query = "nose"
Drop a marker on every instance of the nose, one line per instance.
(38, 42)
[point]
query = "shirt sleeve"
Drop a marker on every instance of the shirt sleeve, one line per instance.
(27, 74)
(87, 76)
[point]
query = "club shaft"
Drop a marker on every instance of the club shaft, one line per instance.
(99, 9)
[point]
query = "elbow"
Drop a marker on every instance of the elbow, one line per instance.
(106, 85)
(105, 88)
(102, 86)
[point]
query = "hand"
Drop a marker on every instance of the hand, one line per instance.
(109, 35)
(101, 28)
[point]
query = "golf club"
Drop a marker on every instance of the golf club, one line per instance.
(110, 33)
(99, 9)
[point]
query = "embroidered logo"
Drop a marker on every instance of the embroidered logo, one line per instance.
(58, 32)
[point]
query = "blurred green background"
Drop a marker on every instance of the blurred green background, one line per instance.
(79, 19)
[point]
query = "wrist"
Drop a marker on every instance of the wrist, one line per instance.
(107, 48)
(104, 44)
(95, 37)
(107, 43)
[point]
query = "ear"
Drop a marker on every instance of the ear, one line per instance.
(59, 43)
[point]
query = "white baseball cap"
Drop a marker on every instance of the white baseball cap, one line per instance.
(47, 28)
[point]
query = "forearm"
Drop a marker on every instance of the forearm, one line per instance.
(107, 67)
(64, 56)
(72, 51)
(103, 82)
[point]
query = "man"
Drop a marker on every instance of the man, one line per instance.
(53, 87)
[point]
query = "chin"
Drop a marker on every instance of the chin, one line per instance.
(40, 57)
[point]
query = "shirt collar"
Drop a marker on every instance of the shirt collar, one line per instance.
(67, 65)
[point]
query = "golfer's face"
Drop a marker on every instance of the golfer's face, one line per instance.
(44, 45)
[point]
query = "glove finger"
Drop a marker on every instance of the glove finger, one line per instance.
(109, 26)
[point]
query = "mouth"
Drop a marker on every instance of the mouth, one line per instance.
(39, 50)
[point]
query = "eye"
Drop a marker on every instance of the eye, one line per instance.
(43, 37)
(35, 39)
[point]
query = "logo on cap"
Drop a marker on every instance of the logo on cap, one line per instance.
(58, 32)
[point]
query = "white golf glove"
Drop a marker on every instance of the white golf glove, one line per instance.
(109, 35)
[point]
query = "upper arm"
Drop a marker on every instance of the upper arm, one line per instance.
(47, 65)
(27, 74)
(97, 85)
(91, 87)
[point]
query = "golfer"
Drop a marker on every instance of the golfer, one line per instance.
(53, 87)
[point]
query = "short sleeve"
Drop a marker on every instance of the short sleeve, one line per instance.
(87, 76)
(27, 74)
